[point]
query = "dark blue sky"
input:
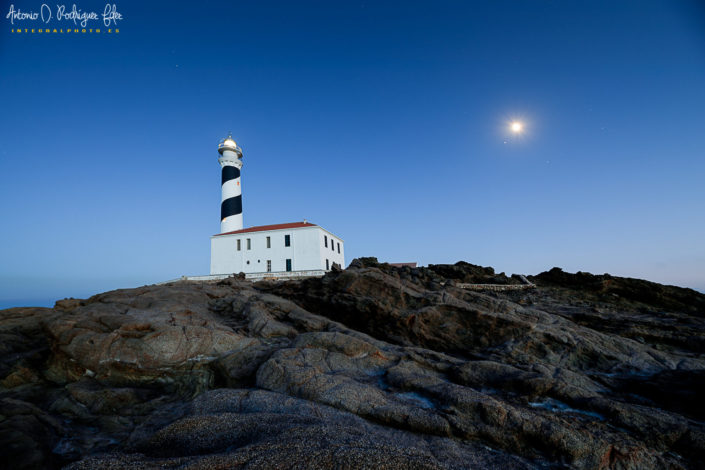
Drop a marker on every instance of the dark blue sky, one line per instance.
(384, 122)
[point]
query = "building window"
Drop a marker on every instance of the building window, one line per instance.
(325, 241)
(269, 265)
(338, 247)
(332, 245)
(248, 261)
(288, 263)
(287, 242)
(327, 265)
(238, 244)
(249, 244)
(269, 242)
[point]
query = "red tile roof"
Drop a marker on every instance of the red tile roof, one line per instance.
(264, 228)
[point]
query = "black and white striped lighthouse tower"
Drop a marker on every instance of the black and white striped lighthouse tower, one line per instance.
(231, 202)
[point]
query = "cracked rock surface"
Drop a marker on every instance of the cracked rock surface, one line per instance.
(369, 367)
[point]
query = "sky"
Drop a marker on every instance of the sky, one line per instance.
(384, 122)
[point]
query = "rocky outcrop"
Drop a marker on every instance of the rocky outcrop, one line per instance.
(369, 367)
(463, 272)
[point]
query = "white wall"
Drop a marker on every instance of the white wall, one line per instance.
(330, 253)
(306, 251)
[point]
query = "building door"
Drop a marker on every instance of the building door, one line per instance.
(288, 264)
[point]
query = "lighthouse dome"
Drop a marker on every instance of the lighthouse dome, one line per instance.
(228, 143)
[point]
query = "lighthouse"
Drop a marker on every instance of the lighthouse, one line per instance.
(277, 251)
(231, 199)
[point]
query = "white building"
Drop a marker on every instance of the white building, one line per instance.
(296, 249)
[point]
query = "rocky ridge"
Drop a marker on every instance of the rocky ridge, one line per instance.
(369, 367)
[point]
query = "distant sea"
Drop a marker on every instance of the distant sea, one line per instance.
(9, 303)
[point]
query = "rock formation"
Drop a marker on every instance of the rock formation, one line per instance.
(369, 367)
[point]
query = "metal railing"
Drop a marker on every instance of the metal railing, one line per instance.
(499, 287)
(285, 275)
